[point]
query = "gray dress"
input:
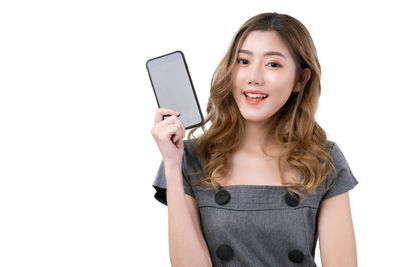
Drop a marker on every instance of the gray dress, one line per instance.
(257, 225)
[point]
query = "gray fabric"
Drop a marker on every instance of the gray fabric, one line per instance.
(160, 184)
(345, 179)
(257, 223)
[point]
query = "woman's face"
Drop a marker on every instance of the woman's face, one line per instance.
(263, 76)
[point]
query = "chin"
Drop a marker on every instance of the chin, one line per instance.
(254, 118)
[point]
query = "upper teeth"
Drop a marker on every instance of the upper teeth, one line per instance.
(255, 95)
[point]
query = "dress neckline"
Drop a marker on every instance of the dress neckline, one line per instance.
(258, 186)
(253, 186)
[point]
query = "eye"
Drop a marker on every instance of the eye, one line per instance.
(274, 65)
(242, 61)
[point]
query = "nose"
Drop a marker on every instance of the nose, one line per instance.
(256, 75)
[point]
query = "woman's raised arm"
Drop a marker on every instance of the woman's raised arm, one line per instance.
(187, 246)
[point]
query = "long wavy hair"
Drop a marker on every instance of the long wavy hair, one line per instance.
(293, 127)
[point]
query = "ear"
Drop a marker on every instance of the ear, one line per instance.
(305, 76)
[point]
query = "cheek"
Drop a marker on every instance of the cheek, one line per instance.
(237, 78)
(280, 78)
(237, 82)
(282, 82)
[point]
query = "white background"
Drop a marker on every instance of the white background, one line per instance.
(77, 159)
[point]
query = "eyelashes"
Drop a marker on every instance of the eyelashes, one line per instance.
(274, 65)
(242, 61)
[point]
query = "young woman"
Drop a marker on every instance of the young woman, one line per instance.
(261, 184)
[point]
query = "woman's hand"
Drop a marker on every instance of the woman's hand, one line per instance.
(169, 134)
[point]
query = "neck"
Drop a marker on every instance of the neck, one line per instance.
(254, 137)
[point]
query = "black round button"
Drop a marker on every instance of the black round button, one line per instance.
(222, 197)
(291, 201)
(225, 252)
(296, 256)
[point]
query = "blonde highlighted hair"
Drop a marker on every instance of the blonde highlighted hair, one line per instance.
(293, 127)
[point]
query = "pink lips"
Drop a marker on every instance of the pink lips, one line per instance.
(254, 101)
(255, 92)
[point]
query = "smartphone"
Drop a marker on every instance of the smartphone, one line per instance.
(173, 87)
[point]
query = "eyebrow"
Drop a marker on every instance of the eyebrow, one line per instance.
(269, 53)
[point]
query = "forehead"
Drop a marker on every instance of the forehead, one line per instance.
(260, 42)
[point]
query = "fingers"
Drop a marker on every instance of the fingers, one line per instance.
(170, 127)
(160, 112)
(175, 122)
(175, 138)
(171, 132)
(170, 120)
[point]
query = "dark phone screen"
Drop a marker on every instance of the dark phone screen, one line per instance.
(173, 87)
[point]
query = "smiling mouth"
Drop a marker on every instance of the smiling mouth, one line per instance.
(253, 99)
(252, 96)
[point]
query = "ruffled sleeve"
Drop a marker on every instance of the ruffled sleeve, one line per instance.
(188, 166)
(344, 179)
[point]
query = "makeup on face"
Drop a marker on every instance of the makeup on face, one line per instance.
(262, 77)
(254, 96)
